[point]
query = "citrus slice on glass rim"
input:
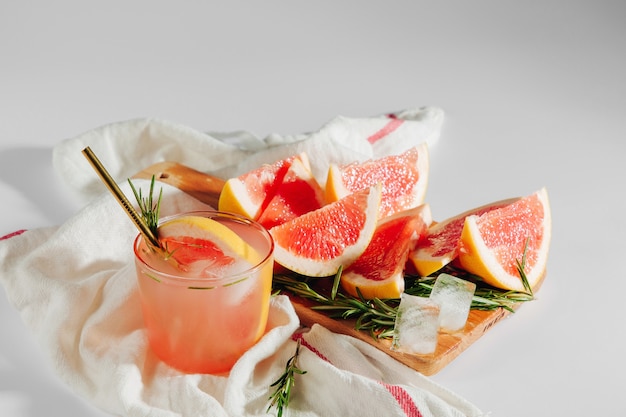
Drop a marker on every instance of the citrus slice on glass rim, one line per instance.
(200, 243)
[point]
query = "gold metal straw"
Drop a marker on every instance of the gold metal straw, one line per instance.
(121, 198)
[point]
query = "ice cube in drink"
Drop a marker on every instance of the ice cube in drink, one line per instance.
(417, 325)
(454, 297)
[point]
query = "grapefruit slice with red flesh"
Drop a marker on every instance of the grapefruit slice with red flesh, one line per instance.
(249, 194)
(317, 243)
(493, 244)
(404, 179)
(199, 244)
(299, 193)
(379, 271)
(440, 244)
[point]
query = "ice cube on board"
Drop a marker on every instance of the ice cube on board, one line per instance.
(417, 325)
(454, 297)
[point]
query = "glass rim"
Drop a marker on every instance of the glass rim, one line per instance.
(215, 281)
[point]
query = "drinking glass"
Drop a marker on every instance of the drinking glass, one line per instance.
(200, 324)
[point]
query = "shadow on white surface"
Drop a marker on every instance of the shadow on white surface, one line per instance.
(28, 171)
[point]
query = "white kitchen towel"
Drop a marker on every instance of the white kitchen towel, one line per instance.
(74, 286)
(128, 147)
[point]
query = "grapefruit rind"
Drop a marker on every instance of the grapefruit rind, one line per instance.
(379, 271)
(391, 287)
(235, 198)
(335, 189)
(321, 233)
(477, 258)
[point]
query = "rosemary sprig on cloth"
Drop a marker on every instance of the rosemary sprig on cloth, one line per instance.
(284, 384)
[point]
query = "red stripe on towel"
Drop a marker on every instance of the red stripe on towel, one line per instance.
(10, 235)
(403, 399)
(392, 125)
(303, 342)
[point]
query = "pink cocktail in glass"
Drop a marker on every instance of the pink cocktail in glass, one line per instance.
(203, 324)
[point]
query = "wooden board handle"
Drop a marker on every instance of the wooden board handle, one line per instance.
(199, 185)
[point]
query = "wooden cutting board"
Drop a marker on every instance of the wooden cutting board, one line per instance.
(207, 189)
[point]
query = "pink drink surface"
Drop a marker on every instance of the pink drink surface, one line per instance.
(203, 325)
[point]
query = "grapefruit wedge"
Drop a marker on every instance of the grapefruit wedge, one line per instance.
(440, 244)
(317, 243)
(379, 271)
(493, 243)
(298, 193)
(404, 179)
(250, 193)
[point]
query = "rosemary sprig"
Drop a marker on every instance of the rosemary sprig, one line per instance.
(284, 384)
(485, 297)
(150, 210)
(521, 267)
(377, 316)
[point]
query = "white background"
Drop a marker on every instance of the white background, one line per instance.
(534, 94)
